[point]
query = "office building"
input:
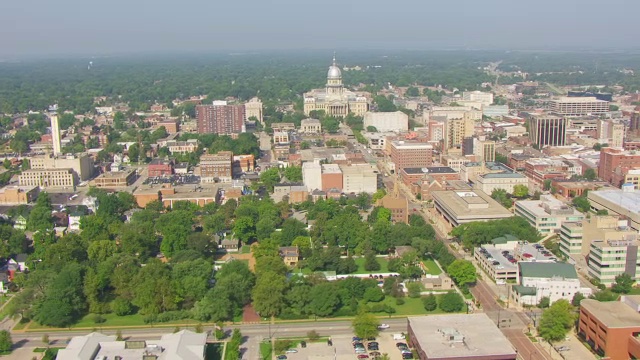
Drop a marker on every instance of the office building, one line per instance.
(555, 281)
(334, 99)
(160, 167)
(634, 123)
(454, 112)
(55, 135)
(458, 337)
(387, 121)
(459, 207)
(411, 176)
(220, 118)
(280, 137)
(115, 179)
(183, 345)
(576, 237)
(610, 258)
(615, 163)
(81, 164)
(243, 164)
(253, 109)
(48, 178)
(216, 167)
(310, 126)
(455, 131)
(623, 202)
(484, 150)
(547, 214)
(610, 132)
(358, 178)
(611, 328)
(547, 130)
(405, 154)
(502, 180)
(579, 106)
(485, 98)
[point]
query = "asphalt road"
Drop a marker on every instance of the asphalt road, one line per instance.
(324, 328)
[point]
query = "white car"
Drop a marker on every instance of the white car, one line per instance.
(291, 351)
(383, 326)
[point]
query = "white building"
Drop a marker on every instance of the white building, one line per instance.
(547, 214)
(501, 180)
(312, 175)
(310, 126)
(387, 121)
(610, 258)
(253, 108)
(482, 97)
(553, 280)
(576, 106)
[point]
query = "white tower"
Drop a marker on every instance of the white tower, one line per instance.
(55, 135)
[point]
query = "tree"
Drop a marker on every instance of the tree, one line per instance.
(365, 325)
(430, 302)
(590, 174)
(268, 294)
(5, 341)
(556, 321)
(451, 302)
(244, 229)
(546, 186)
(371, 262)
(293, 173)
(414, 289)
(373, 294)
(270, 177)
(462, 271)
(581, 203)
(324, 299)
(371, 129)
(544, 302)
(501, 196)
(623, 284)
(577, 297)
(520, 191)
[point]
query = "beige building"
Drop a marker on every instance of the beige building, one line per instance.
(610, 132)
(502, 180)
(280, 137)
(455, 131)
(454, 112)
(459, 207)
(484, 150)
(387, 121)
(253, 108)
(623, 202)
(216, 167)
(610, 258)
(358, 178)
(576, 237)
(81, 164)
(48, 178)
(14, 195)
(182, 147)
(334, 99)
(310, 126)
(485, 98)
(115, 179)
(577, 106)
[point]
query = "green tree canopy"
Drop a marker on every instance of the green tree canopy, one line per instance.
(556, 321)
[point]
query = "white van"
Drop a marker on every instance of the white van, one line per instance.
(398, 336)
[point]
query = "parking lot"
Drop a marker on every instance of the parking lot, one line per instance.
(343, 349)
(174, 179)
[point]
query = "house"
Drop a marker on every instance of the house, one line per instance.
(21, 261)
(437, 282)
(20, 223)
(401, 250)
(230, 244)
(290, 255)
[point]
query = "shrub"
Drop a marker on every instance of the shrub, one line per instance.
(122, 307)
(313, 335)
(98, 319)
(399, 301)
(415, 288)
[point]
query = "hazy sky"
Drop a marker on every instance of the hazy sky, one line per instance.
(87, 27)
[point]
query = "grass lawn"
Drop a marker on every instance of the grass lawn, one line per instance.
(383, 266)
(112, 320)
(432, 267)
(246, 249)
(266, 350)
(214, 351)
(635, 291)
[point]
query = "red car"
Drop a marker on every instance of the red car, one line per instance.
(363, 356)
(527, 255)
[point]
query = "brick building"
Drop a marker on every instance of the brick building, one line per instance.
(410, 155)
(615, 163)
(160, 167)
(611, 328)
(220, 118)
(216, 167)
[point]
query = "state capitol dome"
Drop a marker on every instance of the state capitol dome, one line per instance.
(334, 70)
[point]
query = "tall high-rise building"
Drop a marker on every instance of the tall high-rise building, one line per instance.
(548, 130)
(577, 106)
(634, 126)
(55, 135)
(455, 130)
(220, 118)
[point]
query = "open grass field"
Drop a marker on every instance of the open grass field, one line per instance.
(383, 266)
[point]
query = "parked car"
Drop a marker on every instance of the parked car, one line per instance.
(373, 347)
(291, 351)
(355, 339)
(407, 356)
(398, 336)
(563, 348)
(402, 346)
(363, 356)
(371, 338)
(282, 357)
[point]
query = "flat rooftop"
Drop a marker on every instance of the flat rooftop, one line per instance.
(115, 174)
(566, 99)
(613, 314)
(475, 335)
(469, 204)
(430, 170)
(628, 200)
(405, 145)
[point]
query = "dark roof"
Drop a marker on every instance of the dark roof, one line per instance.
(547, 270)
(524, 290)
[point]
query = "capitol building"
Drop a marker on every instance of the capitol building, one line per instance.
(334, 99)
